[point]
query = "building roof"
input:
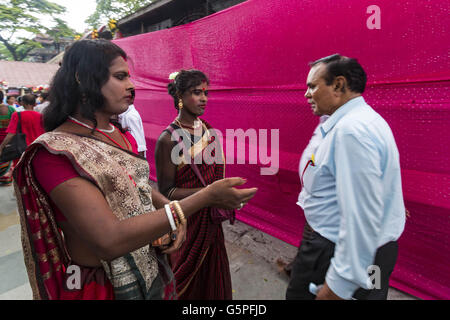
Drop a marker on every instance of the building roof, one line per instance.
(144, 11)
(26, 74)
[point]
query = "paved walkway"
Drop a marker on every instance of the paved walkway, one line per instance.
(253, 259)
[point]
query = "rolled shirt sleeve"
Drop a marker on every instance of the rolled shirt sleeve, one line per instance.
(359, 196)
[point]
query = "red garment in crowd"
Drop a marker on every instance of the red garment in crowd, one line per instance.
(31, 123)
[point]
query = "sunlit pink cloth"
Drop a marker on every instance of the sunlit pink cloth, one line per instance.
(256, 55)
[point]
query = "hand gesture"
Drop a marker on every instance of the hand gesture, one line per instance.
(224, 194)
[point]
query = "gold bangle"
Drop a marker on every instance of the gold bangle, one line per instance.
(179, 212)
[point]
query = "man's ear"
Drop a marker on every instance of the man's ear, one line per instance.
(340, 84)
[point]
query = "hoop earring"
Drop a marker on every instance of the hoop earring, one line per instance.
(180, 104)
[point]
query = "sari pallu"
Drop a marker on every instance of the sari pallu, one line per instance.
(123, 179)
(201, 265)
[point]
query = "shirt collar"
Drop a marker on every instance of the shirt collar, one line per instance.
(339, 113)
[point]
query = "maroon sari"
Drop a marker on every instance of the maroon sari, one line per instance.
(201, 265)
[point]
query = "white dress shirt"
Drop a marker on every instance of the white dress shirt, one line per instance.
(310, 149)
(132, 121)
(353, 192)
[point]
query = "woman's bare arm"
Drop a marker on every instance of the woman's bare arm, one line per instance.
(86, 209)
(166, 170)
(158, 199)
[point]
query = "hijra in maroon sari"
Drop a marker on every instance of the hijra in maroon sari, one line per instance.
(201, 265)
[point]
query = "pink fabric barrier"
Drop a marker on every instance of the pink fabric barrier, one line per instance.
(256, 55)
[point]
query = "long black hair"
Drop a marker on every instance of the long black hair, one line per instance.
(185, 80)
(78, 82)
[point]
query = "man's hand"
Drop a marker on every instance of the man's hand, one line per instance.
(325, 293)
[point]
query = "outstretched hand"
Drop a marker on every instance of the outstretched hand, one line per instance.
(224, 194)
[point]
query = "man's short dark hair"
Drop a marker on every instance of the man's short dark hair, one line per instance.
(44, 95)
(29, 99)
(349, 68)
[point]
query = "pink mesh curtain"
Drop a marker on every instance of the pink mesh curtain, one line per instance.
(256, 55)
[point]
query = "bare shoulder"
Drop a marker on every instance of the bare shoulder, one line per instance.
(165, 139)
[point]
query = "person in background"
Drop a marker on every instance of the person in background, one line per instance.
(6, 167)
(353, 201)
(131, 120)
(31, 122)
(11, 101)
(19, 104)
(43, 102)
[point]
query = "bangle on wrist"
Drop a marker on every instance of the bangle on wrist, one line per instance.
(175, 215)
(170, 217)
(179, 212)
(171, 192)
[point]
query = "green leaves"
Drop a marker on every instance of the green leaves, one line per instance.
(19, 23)
(117, 9)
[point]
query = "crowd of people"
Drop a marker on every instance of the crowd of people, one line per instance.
(30, 123)
(85, 199)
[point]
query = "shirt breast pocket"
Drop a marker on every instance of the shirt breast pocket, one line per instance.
(314, 179)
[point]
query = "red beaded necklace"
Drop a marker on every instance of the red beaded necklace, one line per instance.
(111, 139)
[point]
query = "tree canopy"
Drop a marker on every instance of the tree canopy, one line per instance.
(19, 23)
(114, 9)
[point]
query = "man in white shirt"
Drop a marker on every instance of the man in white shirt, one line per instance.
(43, 102)
(132, 121)
(353, 200)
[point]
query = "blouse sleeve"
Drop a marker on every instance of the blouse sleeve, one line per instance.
(51, 170)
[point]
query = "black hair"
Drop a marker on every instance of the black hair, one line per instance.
(9, 97)
(1, 96)
(78, 82)
(29, 99)
(44, 95)
(349, 68)
(185, 80)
